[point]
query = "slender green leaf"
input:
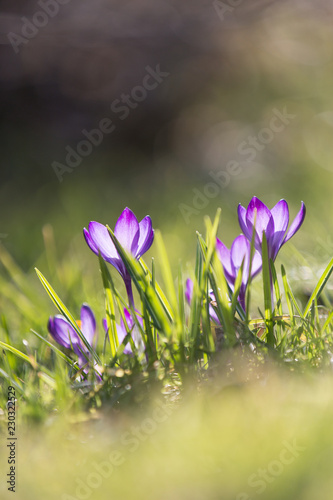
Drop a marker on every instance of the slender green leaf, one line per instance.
(65, 312)
(266, 279)
(109, 306)
(30, 359)
(56, 350)
(319, 287)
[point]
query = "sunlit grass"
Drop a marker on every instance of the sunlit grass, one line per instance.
(232, 396)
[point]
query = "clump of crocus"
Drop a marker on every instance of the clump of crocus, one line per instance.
(63, 333)
(133, 328)
(135, 237)
(189, 295)
(274, 222)
(232, 260)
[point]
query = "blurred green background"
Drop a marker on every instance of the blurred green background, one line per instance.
(230, 70)
(247, 99)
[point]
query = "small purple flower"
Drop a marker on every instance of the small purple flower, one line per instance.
(66, 336)
(232, 260)
(274, 222)
(189, 291)
(189, 295)
(134, 329)
(136, 238)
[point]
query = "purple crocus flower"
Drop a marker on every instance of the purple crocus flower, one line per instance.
(136, 238)
(274, 222)
(189, 295)
(63, 333)
(232, 260)
(134, 329)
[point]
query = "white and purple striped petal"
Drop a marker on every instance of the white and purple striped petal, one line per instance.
(88, 323)
(65, 335)
(296, 224)
(127, 231)
(232, 260)
(224, 255)
(63, 332)
(239, 253)
(146, 236)
(280, 214)
(99, 240)
(135, 332)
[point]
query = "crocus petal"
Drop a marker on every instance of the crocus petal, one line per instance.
(51, 329)
(135, 331)
(83, 360)
(128, 317)
(121, 332)
(239, 252)
(101, 239)
(213, 315)
(258, 212)
(256, 264)
(242, 295)
(224, 255)
(146, 236)
(296, 224)
(280, 215)
(127, 231)
(189, 290)
(88, 323)
(270, 233)
(242, 222)
(240, 248)
(89, 241)
(62, 331)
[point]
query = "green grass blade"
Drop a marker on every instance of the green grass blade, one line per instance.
(166, 273)
(12, 382)
(327, 322)
(29, 359)
(56, 350)
(319, 287)
(249, 281)
(65, 312)
(266, 279)
(143, 284)
(109, 306)
(237, 287)
(158, 290)
(278, 307)
(288, 293)
(276, 289)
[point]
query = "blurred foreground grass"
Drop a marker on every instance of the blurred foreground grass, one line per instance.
(247, 433)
